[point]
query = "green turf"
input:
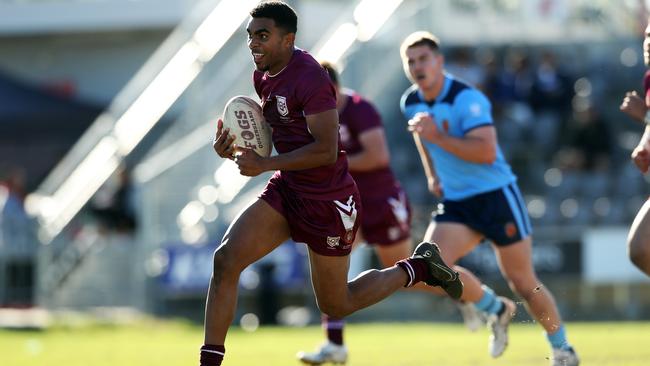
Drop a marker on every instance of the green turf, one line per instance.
(416, 344)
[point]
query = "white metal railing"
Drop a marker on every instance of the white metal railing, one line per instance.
(134, 112)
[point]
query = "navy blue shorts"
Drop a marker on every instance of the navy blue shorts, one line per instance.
(499, 215)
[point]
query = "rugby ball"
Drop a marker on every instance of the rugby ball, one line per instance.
(243, 115)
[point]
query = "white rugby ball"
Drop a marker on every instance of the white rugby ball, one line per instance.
(244, 117)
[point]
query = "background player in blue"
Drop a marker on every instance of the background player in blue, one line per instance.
(453, 130)
(386, 221)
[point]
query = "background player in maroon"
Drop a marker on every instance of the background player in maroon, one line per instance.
(639, 109)
(311, 197)
(386, 220)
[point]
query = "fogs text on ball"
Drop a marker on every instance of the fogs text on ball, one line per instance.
(244, 117)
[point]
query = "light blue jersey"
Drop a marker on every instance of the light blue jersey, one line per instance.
(459, 109)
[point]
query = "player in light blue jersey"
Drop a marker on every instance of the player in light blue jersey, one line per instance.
(455, 136)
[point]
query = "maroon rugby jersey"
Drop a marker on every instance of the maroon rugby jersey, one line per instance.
(302, 88)
(357, 117)
(646, 83)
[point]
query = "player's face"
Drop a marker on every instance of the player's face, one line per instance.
(423, 66)
(646, 46)
(268, 44)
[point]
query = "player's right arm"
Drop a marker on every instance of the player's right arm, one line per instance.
(433, 181)
(324, 128)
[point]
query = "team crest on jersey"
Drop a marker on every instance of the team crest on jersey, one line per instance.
(333, 241)
(281, 103)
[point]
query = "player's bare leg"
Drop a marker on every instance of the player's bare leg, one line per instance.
(334, 349)
(515, 261)
(457, 240)
(516, 264)
(639, 239)
(240, 247)
(338, 298)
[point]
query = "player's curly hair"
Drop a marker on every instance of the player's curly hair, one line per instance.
(420, 38)
(331, 71)
(282, 14)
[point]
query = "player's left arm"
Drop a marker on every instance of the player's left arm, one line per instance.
(478, 143)
(322, 151)
(477, 146)
(374, 153)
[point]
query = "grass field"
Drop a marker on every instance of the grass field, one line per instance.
(414, 344)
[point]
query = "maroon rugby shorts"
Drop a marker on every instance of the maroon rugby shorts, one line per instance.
(328, 227)
(386, 220)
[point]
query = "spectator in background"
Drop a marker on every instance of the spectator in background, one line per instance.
(15, 225)
(12, 186)
(510, 90)
(638, 108)
(492, 86)
(490, 65)
(113, 204)
(516, 78)
(463, 65)
(550, 99)
(585, 145)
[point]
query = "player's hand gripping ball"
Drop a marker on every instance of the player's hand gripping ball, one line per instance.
(243, 117)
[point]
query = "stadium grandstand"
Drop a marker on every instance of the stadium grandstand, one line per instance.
(112, 196)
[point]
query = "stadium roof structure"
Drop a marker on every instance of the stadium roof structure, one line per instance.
(38, 127)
